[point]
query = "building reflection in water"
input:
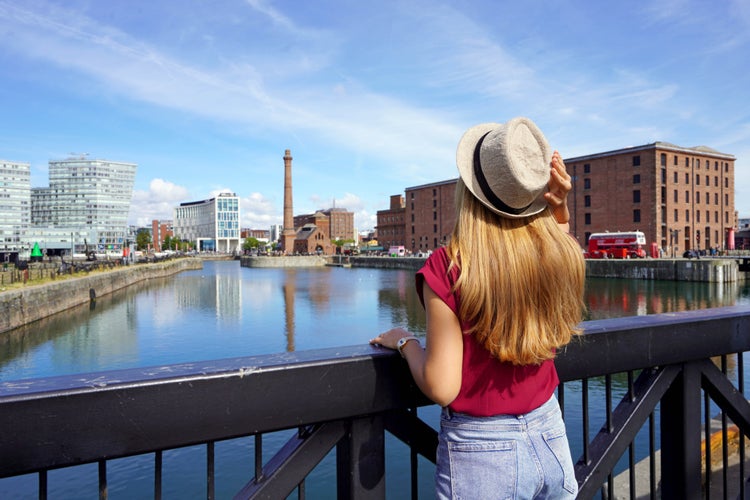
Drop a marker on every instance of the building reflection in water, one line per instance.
(290, 290)
(226, 311)
(609, 298)
(81, 338)
(402, 304)
(220, 293)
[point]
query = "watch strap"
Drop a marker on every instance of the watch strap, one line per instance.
(402, 342)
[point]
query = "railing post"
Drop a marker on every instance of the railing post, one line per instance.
(681, 436)
(360, 460)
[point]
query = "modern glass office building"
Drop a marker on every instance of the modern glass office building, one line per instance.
(15, 207)
(89, 194)
(214, 224)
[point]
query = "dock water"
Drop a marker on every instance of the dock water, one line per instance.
(705, 270)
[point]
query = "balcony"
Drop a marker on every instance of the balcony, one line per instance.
(675, 380)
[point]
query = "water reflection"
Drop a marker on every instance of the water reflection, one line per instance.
(83, 336)
(225, 311)
(609, 298)
(290, 290)
(403, 305)
(220, 293)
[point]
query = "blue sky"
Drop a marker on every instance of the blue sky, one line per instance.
(371, 97)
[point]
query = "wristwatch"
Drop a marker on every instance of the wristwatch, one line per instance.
(402, 342)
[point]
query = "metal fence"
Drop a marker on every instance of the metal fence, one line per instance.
(675, 380)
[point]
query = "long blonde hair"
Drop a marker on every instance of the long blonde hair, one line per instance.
(521, 281)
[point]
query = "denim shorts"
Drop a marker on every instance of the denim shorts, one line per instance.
(505, 456)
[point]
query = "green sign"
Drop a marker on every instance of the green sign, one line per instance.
(35, 252)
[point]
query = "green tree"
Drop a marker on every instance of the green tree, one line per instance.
(143, 239)
(170, 243)
(342, 242)
(250, 243)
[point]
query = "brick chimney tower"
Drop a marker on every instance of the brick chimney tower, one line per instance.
(288, 234)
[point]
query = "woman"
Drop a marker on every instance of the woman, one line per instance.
(500, 299)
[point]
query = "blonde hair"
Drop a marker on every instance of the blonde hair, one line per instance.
(521, 281)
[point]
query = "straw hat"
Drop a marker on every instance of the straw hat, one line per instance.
(506, 166)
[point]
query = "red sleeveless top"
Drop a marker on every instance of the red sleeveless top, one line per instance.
(488, 386)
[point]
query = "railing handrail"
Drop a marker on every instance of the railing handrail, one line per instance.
(636, 342)
(140, 410)
(75, 419)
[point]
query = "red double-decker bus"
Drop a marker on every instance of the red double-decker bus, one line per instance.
(617, 245)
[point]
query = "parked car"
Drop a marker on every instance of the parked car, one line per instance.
(689, 254)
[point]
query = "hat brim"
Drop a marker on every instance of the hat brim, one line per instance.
(465, 164)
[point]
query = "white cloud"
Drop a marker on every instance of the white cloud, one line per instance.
(258, 212)
(273, 14)
(362, 217)
(361, 120)
(393, 98)
(156, 203)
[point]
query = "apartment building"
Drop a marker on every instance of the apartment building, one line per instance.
(430, 215)
(87, 194)
(681, 198)
(15, 207)
(160, 229)
(421, 220)
(390, 223)
(340, 222)
(213, 224)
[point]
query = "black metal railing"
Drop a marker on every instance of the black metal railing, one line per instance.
(678, 378)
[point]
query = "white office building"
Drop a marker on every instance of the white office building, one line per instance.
(214, 224)
(275, 232)
(90, 195)
(15, 207)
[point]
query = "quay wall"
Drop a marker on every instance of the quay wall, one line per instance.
(702, 270)
(335, 260)
(25, 305)
(283, 261)
(388, 262)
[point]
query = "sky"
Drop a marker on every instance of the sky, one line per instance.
(370, 97)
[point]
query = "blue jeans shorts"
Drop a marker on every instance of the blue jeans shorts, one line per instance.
(505, 456)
